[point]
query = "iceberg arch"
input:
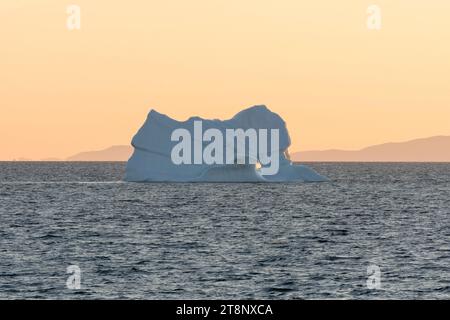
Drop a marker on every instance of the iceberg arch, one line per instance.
(151, 159)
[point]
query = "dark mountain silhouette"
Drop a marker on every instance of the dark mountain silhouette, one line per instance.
(433, 149)
(114, 153)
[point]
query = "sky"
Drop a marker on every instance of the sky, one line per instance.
(337, 83)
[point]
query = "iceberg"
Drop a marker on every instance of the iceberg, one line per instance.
(157, 144)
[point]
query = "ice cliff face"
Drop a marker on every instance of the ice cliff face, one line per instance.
(154, 143)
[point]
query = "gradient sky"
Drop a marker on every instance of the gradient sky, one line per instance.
(336, 83)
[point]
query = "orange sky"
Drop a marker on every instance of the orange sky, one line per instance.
(336, 83)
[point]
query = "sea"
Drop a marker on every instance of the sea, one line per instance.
(73, 230)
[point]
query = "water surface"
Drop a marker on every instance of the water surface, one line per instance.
(210, 240)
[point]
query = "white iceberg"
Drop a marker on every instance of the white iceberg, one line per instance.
(152, 159)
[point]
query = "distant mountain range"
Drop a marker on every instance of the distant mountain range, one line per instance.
(433, 149)
(114, 153)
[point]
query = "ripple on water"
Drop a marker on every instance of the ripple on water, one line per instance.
(293, 241)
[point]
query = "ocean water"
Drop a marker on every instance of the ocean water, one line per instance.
(230, 241)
